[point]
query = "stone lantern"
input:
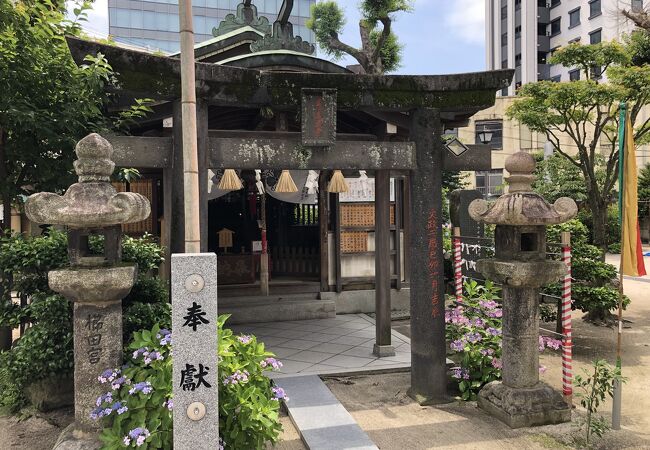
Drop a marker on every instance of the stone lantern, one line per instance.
(95, 284)
(520, 265)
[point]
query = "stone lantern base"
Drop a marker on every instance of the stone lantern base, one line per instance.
(73, 439)
(524, 407)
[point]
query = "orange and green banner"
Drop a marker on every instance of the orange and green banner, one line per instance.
(631, 250)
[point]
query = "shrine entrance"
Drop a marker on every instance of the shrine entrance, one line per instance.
(292, 224)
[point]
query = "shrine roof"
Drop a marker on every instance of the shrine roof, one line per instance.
(143, 75)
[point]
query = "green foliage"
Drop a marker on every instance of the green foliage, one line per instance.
(592, 389)
(380, 49)
(248, 405)
(126, 175)
(644, 191)
(593, 289)
(557, 177)
(143, 316)
(474, 334)
(390, 52)
(586, 112)
(139, 110)
(46, 347)
(326, 20)
(638, 44)
(47, 101)
(44, 350)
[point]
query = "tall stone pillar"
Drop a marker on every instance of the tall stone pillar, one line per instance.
(95, 284)
(428, 349)
(383, 346)
(520, 265)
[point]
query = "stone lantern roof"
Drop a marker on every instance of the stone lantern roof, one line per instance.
(93, 202)
(521, 205)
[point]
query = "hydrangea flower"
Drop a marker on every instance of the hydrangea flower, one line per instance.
(165, 336)
(244, 339)
(138, 434)
(144, 387)
(279, 394)
(495, 314)
(457, 345)
(272, 362)
(169, 404)
(488, 304)
(494, 331)
(120, 408)
(473, 337)
(549, 342)
(542, 369)
(222, 444)
(139, 352)
(497, 364)
(459, 372)
(237, 377)
(117, 383)
(108, 375)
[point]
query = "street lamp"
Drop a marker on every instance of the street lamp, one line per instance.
(485, 136)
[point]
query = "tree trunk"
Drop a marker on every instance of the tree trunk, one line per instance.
(599, 217)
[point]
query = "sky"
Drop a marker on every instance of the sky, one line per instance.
(439, 36)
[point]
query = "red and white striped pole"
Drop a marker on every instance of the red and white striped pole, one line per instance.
(458, 270)
(567, 343)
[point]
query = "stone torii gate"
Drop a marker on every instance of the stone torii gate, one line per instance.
(423, 105)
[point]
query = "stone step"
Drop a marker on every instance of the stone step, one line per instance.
(275, 288)
(276, 309)
(321, 420)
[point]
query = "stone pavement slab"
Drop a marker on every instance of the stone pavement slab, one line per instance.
(321, 420)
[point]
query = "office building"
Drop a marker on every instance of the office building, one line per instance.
(522, 34)
(154, 24)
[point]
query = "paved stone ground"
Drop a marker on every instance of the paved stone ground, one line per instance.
(328, 346)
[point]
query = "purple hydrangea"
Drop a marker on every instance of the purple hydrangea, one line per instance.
(169, 404)
(279, 394)
(140, 351)
(272, 362)
(549, 342)
(237, 377)
(542, 369)
(488, 304)
(244, 339)
(139, 435)
(473, 337)
(165, 336)
(486, 351)
(118, 382)
(495, 314)
(478, 322)
(144, 387)
(493, 331)
(497, 364)
(222, 444)
(460, 373)
(108, 375)
(457, 345)
(119, 407)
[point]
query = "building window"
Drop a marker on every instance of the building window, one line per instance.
(541, 57)
(554, 3)
(556, 78)
(595, 8)
(517, 4)
(490, 126)
(574, 75)
(518, 60)
(504, 39)
(596, 72)
(556, 26)
(504, 12)
(504, 92)
(595, 36)
(489, 182)
(518, 32)
(637, 5)
(542, 3)
(574, 18)
(574, 40)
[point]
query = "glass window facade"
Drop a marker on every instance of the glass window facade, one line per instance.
(154, 24)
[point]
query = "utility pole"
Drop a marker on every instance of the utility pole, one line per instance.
(188, 111)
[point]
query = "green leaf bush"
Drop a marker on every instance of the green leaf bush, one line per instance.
(594, 289)
(46, 347)
(474, 335)
(136, 410)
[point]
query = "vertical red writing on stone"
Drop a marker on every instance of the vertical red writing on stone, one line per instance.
(433, 228)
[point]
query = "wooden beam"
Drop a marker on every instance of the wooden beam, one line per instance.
(383, 345)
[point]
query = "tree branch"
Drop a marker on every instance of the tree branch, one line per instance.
(376, 54)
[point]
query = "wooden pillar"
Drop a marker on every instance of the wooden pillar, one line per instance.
(383, 345)
(323, 222)
(428, 350)
(176, 220)
(202, 149)
(336, 220)
(399, 184)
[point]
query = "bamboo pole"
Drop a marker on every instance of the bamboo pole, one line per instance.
(188, 111)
